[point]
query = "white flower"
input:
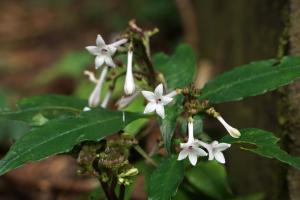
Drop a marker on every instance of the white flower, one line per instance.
(215, 150)
(232, 131)
(104, 52)
(157, 101)
(129, 85)
(191, 149)
(95, 96)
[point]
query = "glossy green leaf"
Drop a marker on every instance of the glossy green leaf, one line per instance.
(179, 69)
(165, 180)
(266, 145)
(210, 178)
(48, 106)
(60, 136)
(251, 79)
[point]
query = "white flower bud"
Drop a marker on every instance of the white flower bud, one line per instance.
(95, 96)
(106, 99)
(232, 131)
(129, 86)
(191, 130)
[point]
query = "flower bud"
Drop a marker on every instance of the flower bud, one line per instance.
(95, 96)
(231, 130)
(129, 86)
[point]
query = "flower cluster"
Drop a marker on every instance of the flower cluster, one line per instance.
(193, 148)
(104, 53)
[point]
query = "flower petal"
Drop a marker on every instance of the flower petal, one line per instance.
(199, 151)
(118, 43)
(150, 107)
(99, 41)
(149, 95)
(208, 148)
(159, 91)
(165, 100)
(99, 60)
(108, 60)
(193, 158)
(220, 157)
(160, 110)
(111, 49)
(184, 145)
(93, 50)
(183, 154)
(222, 146)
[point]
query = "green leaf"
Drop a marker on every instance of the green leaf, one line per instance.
(137, 105)
(10, 129)
(60, 136)
(266, 145)
(48, 106)
(251, 79)
(211, 179)
(178, 69)
(165, 180)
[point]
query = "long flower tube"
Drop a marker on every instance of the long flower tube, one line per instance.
(95, 96)
(129, 86)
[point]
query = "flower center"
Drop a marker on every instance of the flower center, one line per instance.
(103, 50)
(158, 100)
(190, 147)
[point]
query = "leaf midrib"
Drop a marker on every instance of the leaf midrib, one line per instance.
(244, 80)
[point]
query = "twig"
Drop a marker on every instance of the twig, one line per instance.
(145, 155)
(122, 192)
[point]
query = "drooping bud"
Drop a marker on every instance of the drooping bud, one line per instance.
(231, 130)
(95, 96)
(106, 99)
(126, 100)
(129, 86)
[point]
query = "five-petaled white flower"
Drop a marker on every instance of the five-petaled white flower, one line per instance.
(190, 148)
(232, 131)
(215, 150)
(104, 52)
(157, 100)
(129, 86)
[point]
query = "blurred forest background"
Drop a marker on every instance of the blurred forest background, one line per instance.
(42, 51)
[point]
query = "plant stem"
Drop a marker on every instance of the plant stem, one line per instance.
(122, 192)
(145, 155)
(109, 192)
(105, 189)
(152, 75)
(112, 187)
